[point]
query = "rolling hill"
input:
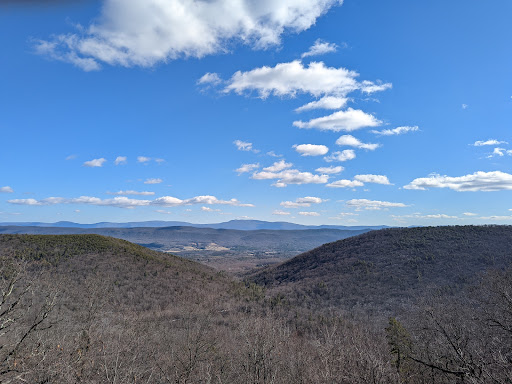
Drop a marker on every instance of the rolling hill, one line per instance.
(385, 271)
(227, 249)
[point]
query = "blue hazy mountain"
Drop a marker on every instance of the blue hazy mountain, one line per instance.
(244, 225)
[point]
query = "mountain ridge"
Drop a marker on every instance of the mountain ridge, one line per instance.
(244, 225)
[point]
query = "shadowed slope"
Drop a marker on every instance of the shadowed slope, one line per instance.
(390, 268)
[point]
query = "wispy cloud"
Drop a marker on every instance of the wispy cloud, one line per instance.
(208, 209)
(396, 131)
(345, 184)
(245, 168)
(320, 48)
(281, 213)
(478, 181)
(330, 170)
(210, 78)
(309, 214)
(372, 205)
(480, 143)
(278, 166)
(376, 179)
(326, 102)
(345, 155)
(6, 189)
(130, 192)
(359, 181)
(95, 163)
(121, 160)
(143, 159)
(153, 181)
(245, 146)
(302, 202)
(124, 202)
(351, 141)
(371, 87)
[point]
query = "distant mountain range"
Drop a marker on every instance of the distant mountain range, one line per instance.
(242, 225)
(230, 249)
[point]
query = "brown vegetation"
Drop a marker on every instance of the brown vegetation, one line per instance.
(101, 310)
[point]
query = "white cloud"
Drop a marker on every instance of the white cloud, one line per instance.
(71, 157)
(208, 209)
(120, 160)
(59, 50)
(290, 176)
(478, 181)
(374, 205)
(309, 213)
(438, 216)
(311, 149)
(292, 78)
(302, 202)
(347, 154)
(273, 154)
(420, 216)
(244, 146)
(278, 166)
(289, 79)
(342, 215)
(499, 218)
(95, 162)
(470, 214)
(163, 211)
(351, 141)
(480, 143)
(498, 152)
(146, 32)
(396, 131)
(376, 179)
(348, 120)
(326, 102)
(465, 106)
(330, 170)
(280, 213)
(207, 200)
(120, 202)
(320, 48)
(371, 87)
(244, 168)
(160, 161)
(6, 189)
(130, 192)
(153, 181)
(143, 159)
(345, 184)
(124, 202)
(210, 78)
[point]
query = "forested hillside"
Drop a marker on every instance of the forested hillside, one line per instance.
(387, 271)
(225, 249)
(93, 309)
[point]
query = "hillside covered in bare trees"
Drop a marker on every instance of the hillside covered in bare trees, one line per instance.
(94, 309)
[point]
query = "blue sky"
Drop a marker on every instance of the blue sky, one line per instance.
(314, 111)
